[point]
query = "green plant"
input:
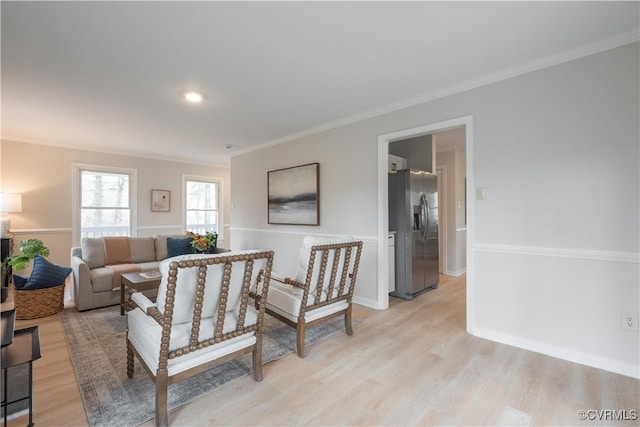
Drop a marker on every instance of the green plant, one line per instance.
(4, 271)
(29, 248)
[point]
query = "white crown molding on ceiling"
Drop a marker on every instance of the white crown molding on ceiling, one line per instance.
(566, 56)
(96, 149)
(549, 61)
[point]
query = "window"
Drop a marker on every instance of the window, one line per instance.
(202, 204)
(103, 201)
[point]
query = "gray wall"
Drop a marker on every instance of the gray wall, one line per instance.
(554, 245)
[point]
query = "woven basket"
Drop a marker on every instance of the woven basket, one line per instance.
(38, 302)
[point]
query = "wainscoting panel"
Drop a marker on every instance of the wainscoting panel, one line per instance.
(560, 302)
(286, 245)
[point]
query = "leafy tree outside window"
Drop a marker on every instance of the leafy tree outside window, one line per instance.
(105, 204)
(202, 206)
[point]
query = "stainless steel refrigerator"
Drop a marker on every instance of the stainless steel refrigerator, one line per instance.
(413, 215)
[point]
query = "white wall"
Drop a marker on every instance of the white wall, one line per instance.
(556, 240)
(447, 159)
(338, 214)
(43, 174)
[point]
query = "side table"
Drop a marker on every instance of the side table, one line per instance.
(139, 283)
(25, 348)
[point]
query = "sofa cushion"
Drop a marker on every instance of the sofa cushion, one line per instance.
(101, 279)
(161, 245)
(117, 250)
(45, 274)
(181, 246)
(93, 251)
(287, 303)
(143, 249)
(148, 266)
(146, 336)
(118, 270)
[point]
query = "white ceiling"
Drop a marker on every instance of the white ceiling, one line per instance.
(108, 76)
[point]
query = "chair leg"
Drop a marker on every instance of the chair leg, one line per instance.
(257, 359)
(347, 321)
(300, 330)
(130, 365)
(162, 417)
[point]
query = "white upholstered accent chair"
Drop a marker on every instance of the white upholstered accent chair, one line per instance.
(322, 289)
(202, 317)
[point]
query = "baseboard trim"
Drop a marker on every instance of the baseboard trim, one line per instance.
(457, 272)
(630, 257)
(367, 302)
(604, 363)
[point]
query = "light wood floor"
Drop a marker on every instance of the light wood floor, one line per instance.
(410, 365)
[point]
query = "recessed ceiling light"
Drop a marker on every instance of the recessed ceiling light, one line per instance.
(194, 97)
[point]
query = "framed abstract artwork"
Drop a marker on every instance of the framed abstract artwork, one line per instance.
(294, 195)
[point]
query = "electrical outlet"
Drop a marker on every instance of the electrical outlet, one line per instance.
(629, 321)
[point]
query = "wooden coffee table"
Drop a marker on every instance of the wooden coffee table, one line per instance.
(139, 283)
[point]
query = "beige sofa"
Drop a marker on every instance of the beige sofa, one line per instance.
(93, 283)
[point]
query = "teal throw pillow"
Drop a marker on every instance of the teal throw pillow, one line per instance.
(46, 274)
(177, 247)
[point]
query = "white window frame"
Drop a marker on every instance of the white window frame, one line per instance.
(212, 180)
(76, 196)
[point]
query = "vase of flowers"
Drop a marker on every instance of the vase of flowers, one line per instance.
(204, 243)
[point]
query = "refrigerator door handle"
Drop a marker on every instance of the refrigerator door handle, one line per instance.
(425, 212)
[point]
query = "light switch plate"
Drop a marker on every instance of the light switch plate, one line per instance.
(480, 193)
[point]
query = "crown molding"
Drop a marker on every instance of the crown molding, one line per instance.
(96, 149)
(549, 61)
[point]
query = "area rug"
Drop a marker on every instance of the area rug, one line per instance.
(97, 344)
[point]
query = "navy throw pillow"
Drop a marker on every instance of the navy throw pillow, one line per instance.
(177, 247)
(45, 274)
(19, 281)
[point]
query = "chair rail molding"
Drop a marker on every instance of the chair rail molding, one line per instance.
(153, 227)
(41, 231)
(299, 233)
(588, 254)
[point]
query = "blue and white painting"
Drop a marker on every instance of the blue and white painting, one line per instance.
(293, 195)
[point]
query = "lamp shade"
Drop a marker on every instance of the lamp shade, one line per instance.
(10, 202)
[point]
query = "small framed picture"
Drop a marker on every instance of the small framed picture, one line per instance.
(160, 200)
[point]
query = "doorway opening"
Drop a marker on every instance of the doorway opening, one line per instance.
(450, 153)
(458, 209)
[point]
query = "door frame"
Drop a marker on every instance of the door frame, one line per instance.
(383, 205)
(443, 235)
